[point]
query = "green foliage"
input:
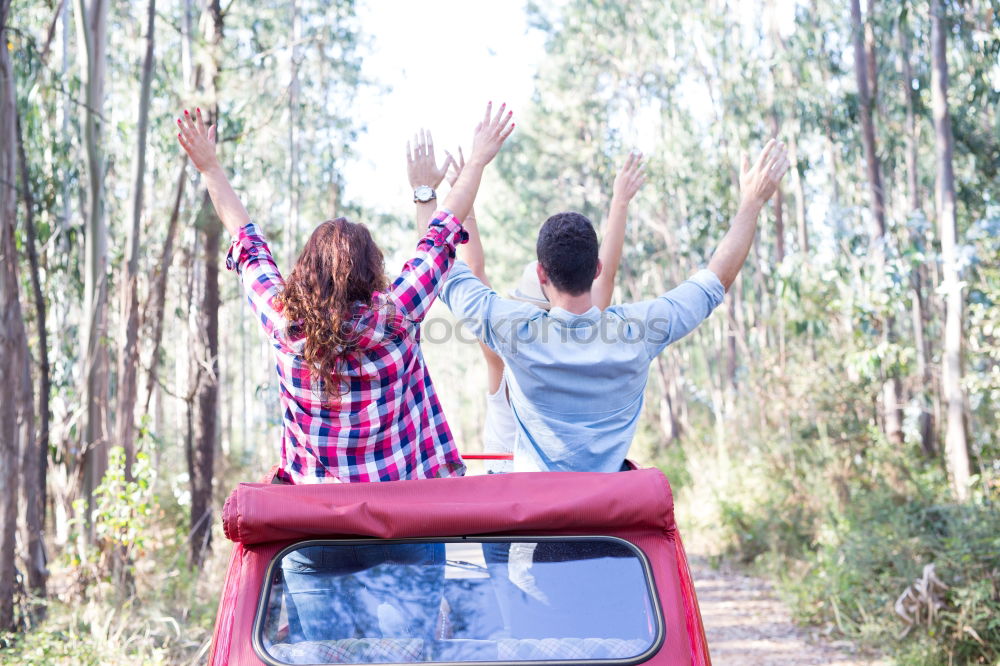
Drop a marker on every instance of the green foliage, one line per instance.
(867, 556)
(132, 598)
(777, 527)
(983, 380)
(121, 520)
(805, 486)
(123, 508)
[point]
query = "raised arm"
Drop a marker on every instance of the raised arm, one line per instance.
(486, 141)
(425, 176)
(418, 284)
(198, 142)
(628, 181)
(249, 254)
(757, 184)
(471, 252)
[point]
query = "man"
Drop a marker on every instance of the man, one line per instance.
(576, 376)
(500, 426)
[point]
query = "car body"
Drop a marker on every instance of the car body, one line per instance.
(532, 568)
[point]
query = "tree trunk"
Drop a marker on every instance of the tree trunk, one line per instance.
(870, 60)
(912, 179)
(128, 369)
(11, 326)
(779, 205)
(91, 18)
(192, 272)
(735, 298)
(206, 350)
(207, 335)
(32, 527)
(788, 133)
(154, 310)
(865, 105)
(864, 69)
(951, 379)
(34, 460)
(65, 110)
(831, 144)
(798, 189)
(668, 403)
(922, 343)
(918, 278)
(158, 295)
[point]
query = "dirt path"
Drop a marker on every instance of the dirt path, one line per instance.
(747, 625)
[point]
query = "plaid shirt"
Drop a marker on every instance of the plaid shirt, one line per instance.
(389, 425)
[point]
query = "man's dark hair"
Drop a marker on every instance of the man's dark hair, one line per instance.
(567, 250)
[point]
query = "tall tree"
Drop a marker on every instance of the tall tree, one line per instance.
(127, 375)
(35, 445)
(202, 458)
(790, 84)
(918, 277)
(862, 72)
(155, 310)
(11, 324)
(91, 19)
(865, 75)
(955, 443)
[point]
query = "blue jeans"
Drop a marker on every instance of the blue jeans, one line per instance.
(364, 591)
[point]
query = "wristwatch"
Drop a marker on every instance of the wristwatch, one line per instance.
(423, 194)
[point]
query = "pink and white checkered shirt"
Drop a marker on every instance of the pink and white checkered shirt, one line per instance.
(389, 425)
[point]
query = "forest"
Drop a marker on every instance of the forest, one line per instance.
(834, 426)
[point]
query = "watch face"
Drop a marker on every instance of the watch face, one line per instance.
(423, 194)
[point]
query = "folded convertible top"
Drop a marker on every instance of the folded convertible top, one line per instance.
(539, 502)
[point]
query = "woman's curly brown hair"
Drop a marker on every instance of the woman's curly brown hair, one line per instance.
(339, 269)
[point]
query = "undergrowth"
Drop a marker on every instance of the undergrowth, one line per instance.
(843, 546)
(131, 597)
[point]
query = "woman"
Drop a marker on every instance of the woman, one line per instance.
(358, 404)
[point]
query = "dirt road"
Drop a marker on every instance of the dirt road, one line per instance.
(747, 625)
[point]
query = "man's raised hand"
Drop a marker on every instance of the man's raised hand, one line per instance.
(627, 182)
(198, 141)
(759, 182)
(490, 134)
(629, 179)
(421, 164)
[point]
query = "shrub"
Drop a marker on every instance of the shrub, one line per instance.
(871, 554)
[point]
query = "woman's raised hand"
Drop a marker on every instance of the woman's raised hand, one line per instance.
(421, 164)
(198, 141)
(490, 134)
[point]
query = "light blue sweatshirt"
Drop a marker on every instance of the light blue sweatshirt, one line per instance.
(576, 382)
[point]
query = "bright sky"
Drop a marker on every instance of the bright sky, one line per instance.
(438, 62)
(442, 60)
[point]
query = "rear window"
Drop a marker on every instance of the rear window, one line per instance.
(585, 599)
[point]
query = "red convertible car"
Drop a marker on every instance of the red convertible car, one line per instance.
(523, 568)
